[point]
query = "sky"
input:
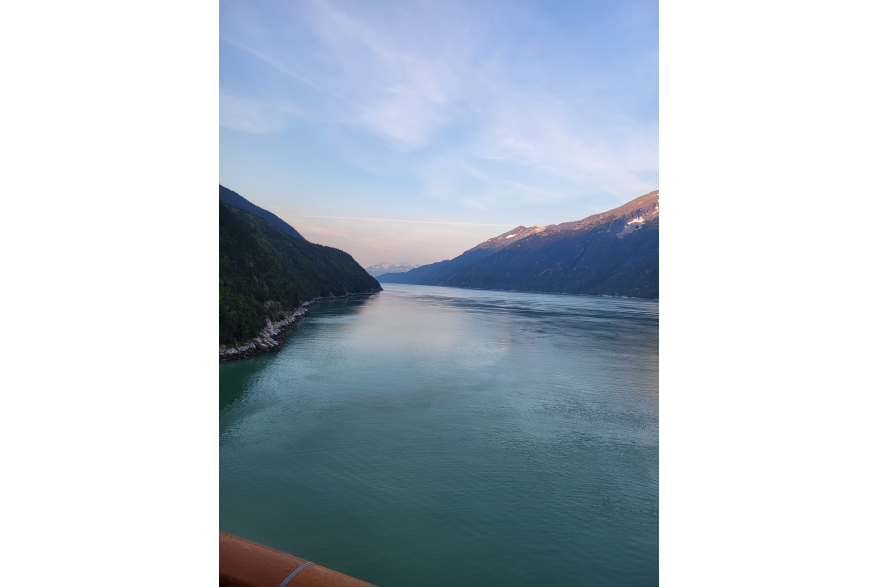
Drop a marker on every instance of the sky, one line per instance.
(411, 131)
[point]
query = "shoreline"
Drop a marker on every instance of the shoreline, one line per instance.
(272, 337)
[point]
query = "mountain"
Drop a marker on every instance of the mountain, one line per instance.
(412, 276)
(381, 268)
(614, 253)
(235, 199)
(265, 271)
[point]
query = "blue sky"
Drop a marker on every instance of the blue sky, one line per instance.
(412, 131)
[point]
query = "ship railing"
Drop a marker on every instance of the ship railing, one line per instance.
(247, 564)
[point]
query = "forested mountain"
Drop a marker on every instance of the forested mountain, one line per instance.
(235, 199)
(264, 270)
(613, 253)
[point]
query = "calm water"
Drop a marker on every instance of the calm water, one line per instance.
(441, 436)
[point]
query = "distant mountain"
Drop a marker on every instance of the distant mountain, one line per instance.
(235, 199)
(381, 268)
(265, 272)
(613, 253)
(412, 276)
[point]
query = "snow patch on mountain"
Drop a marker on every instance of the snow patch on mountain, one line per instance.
(383, 267)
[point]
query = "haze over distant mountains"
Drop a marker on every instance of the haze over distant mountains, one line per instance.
(381, 268)
(614, 253)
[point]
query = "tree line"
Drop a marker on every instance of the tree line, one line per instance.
(258, 263)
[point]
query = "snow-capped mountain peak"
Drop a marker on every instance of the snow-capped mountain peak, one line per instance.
(383, 267)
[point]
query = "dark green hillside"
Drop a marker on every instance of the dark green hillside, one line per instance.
(258, 262)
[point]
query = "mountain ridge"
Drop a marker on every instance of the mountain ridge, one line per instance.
(419, 273)
(235, 199)
(610, 253)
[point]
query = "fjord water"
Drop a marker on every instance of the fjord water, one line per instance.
(443, 436)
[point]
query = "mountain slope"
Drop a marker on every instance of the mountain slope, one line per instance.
(413, 276)
(264, 271)
(235, 199)
(613, 253)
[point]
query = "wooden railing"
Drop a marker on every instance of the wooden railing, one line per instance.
(246, 564)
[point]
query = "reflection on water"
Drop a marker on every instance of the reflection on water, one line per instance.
(441, 436)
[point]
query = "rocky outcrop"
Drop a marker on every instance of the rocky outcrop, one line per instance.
(271, 337)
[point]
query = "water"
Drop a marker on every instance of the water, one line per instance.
(442, 436)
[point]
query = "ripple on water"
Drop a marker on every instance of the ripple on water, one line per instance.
(513, 434)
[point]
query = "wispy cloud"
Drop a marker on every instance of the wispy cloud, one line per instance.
(253, 116)
(408, 221)
(371, 240)
(402, 94)
(481, 110)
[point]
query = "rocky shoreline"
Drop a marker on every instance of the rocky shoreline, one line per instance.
(270, 338)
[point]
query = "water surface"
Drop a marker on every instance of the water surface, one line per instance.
(443, 436)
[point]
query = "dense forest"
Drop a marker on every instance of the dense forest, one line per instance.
(258, 263)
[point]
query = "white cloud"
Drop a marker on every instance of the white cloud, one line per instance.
(398, 92)
(408, 121)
